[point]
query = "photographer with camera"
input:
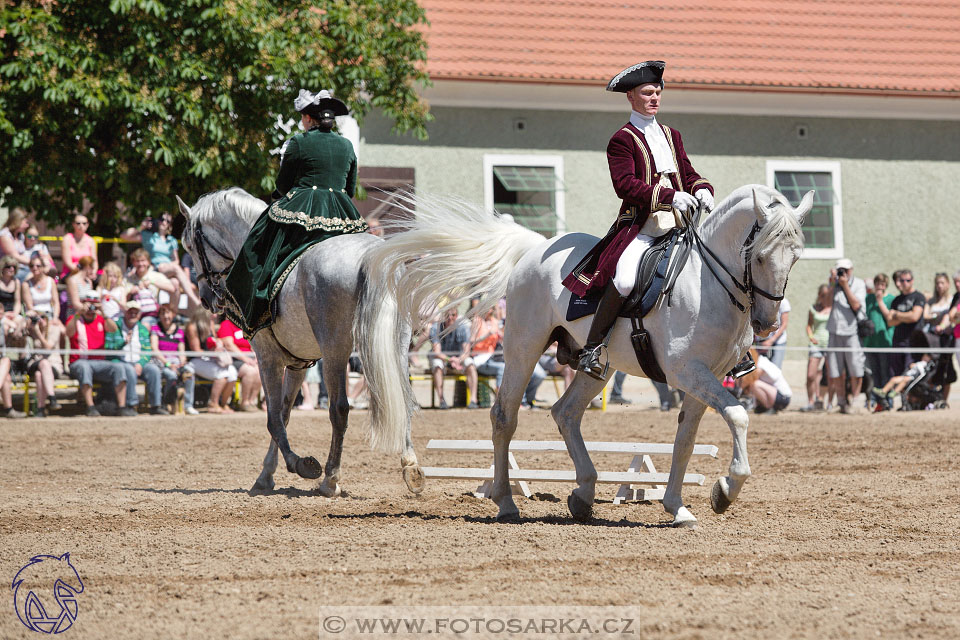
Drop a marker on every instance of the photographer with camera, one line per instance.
(87, 330)
(155, 235)
(44, 368)
(849, 298)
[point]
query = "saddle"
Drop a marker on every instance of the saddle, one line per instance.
(656, 276)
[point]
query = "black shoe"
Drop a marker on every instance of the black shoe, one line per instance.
(620, 400)
(473, 405)
(127, 412)
(745, 366)
(603, 320)
(52, 403)
(324, 403)
(41, 412)
(92, 412)
(665, 406)
(442, 404)
(159, 410)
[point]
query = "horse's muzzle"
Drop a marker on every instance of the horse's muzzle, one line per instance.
(762, 329)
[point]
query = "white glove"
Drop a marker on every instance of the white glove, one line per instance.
(705, 198)
(683, 202)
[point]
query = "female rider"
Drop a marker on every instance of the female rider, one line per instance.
(317, 178)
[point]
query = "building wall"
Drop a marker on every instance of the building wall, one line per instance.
(900, 179)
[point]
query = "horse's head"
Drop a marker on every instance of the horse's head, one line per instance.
(771, 254)
(212, 232)
(207, 265)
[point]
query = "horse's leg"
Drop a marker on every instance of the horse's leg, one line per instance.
(410, 466)
(272, 367)
(687, 424)
(568, 413)
(521, 360)
(264, 483)
(698, 381)
(335, 377)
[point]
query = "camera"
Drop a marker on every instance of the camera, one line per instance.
(151, 224)
(841, 272)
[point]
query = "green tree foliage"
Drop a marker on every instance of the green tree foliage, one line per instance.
(131, 101)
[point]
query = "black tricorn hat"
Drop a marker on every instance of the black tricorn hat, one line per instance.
(647, 72)
(316, 104)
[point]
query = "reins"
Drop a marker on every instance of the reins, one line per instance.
(747, 286)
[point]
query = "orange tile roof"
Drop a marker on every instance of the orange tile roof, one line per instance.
(848, 46)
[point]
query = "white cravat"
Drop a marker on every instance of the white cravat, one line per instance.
(651, 130)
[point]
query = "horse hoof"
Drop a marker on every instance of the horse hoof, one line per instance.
(327, 490)
(579, 509)
(718, 499)
(508, 517)
(685, 524)
(309, 468)
(261, 488)
(413, 476)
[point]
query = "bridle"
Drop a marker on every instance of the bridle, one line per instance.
(213, 278)
(746, 286)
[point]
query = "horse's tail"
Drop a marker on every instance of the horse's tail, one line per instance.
(447, 252)
(383, 339)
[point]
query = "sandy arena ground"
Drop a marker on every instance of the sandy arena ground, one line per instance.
(848, 528)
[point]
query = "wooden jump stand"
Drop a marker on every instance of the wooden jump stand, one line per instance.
(641, 470)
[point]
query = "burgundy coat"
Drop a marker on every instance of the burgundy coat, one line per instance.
(638, 185)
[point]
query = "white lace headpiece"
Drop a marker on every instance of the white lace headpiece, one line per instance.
(305, 99)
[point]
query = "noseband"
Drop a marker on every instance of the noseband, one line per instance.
(213, 278)
(746, 286)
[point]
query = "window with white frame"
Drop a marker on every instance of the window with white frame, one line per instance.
(823, 226)
(527, 187)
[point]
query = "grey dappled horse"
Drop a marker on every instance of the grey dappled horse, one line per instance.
(326, 305)
(730, 288)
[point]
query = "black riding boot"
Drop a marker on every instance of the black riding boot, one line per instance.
(609, 308)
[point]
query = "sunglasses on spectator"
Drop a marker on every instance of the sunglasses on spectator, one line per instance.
(31, 236)
(9, 266)
(904, 279)
(83, 222)
(36, 266)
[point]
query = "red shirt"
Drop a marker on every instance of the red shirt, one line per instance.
(88, 336)
(228, 329)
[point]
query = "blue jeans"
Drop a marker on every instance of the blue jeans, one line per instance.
(491, 368)
(160, 382)
(109, 372)
(530, 393)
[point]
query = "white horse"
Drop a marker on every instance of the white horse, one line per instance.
(327, 304)
(455, 251)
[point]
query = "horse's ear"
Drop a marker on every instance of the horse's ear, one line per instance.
(184, 209)
(180, 221)
(757, 207)
(804, 207)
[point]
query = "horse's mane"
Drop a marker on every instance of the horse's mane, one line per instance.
(231, 200)
(782, 225)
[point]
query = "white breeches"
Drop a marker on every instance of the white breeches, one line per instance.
(626, 276)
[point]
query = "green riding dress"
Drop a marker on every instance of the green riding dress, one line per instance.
(317, 178)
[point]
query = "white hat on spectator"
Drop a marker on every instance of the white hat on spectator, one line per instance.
(91, 295)
(844, 263)
(133, 304)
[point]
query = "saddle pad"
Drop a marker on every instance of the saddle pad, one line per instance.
(650, 271)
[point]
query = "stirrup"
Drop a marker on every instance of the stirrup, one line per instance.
(742, 368)
(590, 363)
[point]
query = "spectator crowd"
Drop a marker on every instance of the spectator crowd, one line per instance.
(146, 320)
